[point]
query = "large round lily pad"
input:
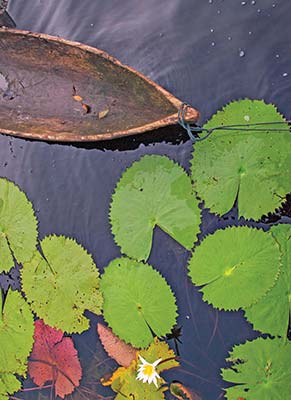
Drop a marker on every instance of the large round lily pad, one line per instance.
(235, 267)
(18, 226)
(62, 284)
(251, 166)
(154, 191)
(137, 301)
(260, 369)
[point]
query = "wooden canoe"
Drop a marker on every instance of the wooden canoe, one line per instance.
(58, 90)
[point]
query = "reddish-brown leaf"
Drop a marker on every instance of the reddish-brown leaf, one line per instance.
(116, 348)
(54, 359)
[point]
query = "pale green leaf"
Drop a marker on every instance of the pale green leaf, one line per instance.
(18, 226)
(63, 284)
(16, 339)
(235, 267)
(250, 166)
(154, 191)
(271, 314)
(137, 297)
(261, 369)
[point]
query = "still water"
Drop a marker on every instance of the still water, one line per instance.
(204, 52)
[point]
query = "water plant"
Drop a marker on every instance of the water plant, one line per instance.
(235, 267)
(18, 226)
(250, 165)
(16, 338)
(260, 369)
(138, 302)
(48, 289)
(154, 191)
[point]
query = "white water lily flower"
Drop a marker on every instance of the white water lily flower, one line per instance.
(147, 372)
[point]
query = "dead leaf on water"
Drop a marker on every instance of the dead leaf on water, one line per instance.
(77, 98)
(103, 114)
(86, 108)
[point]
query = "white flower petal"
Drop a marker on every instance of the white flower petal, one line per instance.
(142, 359)
(156, 362)
(155, 382)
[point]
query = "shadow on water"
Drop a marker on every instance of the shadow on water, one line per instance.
(206, 53)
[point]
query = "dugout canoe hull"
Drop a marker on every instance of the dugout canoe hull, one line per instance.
(57, 90)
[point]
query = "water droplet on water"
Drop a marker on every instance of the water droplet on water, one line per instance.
(277, 55)
(285, 74)
(187, 316)
(250, 32)
(274, 5)
(259, 10)
(253, 2)
(218, 11)
(212, 44)
(242, 53)
(243, 3)
(210, 1)
(211, 30)
(229, 38)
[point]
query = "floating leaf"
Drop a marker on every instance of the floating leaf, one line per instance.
(235, 266)
(77, 98)
(63, 284)
(153, 192)
(116, 348)
(251, 166)
(103, 114)
(261, 370)
(16, 338)
(54, 359)
(181, 392)
(18, 226)
(137, 299)
(271, 314)
(124, 382)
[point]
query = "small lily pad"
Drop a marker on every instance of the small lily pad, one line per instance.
(18, 226)
(271, 314)
(251, 166)
(260, 369)
(62, 284)
(235, 267)
(154, 191)
(137, 301)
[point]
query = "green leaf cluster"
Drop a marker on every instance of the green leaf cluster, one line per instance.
(251, 166)
(137, 301)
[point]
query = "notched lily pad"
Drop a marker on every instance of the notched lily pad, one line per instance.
(251, 166)
(62, 284)
(271, 314)
(154, 191)
(16, 338)
(137, 301)
(235, 267)
(260, 369)
(18, 226)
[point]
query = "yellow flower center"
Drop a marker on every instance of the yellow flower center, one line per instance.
(148, 370)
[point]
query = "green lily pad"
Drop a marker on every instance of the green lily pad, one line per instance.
(137, 298)
(235, 267)
(63, 284)
(154, 191)
(271, 314)
(16, 338)
(250, 166)
(261, 369)
(18, 226)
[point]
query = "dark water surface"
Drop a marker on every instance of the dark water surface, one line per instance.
(204, 52)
